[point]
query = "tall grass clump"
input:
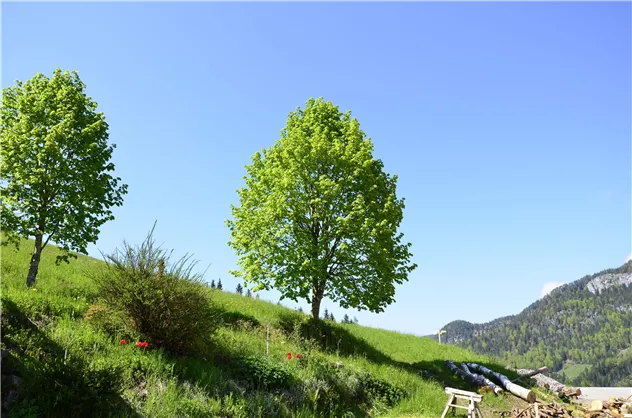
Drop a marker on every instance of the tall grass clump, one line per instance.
(162, 302)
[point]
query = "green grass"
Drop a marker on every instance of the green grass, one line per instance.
(572, 371)
(70, 368)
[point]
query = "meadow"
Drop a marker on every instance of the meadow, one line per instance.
(61, 362)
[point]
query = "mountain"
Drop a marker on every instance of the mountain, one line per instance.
(581, 330)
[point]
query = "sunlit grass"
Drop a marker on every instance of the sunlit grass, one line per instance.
(150, 383)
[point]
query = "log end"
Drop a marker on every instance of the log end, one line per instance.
(531, 397)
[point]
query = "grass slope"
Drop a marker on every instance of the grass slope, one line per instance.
(58, 353)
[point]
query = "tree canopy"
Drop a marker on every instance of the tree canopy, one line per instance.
(319, 217)
(56, 165)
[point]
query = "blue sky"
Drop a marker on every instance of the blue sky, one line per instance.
(507, 123)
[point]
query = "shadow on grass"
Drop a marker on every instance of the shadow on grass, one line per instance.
(438, 371)
(48, 382)
(330, 337)
(232, 318)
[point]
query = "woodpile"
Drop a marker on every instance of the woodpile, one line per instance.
(569, 393)
(542, 380)
(612, 408)
(538, 410)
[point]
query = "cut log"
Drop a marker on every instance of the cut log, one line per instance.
(472, 378)
(486, 381)
(534, 372)
(596, 406)
(504, 381)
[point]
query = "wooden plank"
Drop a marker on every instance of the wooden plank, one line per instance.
(476, 398)
(534, 372)
(460, 392)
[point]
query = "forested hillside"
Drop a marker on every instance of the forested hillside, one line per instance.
(587, 322)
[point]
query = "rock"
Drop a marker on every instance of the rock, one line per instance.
(11, 397)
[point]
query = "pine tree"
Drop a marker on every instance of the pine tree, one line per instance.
(213, 284)
(331, 317)
(345, 319)
(300, 309)
(219, 285)
(248, 293)
(326, 315)
(239, 290)
(257, 297)
(355, 320)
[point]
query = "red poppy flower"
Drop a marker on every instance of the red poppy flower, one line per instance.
(145, 344)
(298, 356)
(123, 342)
(139, 344)
(289, 356)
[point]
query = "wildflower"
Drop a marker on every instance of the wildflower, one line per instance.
(298, 356)
(123, 342)
(145, 344)
(289, 356)
(139, 344)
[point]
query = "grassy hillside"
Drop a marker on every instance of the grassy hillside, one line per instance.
(61, 364)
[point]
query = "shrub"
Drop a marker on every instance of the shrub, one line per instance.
(105, 318)
(165, 303)
(262, 372)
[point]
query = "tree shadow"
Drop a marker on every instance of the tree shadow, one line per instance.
(46, 381)
(330, 337)
(438, 371)
(238, 319)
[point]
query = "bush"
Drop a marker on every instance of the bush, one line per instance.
(262, 372)
(166, 304)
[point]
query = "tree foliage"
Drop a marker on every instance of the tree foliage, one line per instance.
(319, 217)
(56, 167)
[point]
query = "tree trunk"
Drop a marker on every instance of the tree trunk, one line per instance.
(316, 299)
(35, 260)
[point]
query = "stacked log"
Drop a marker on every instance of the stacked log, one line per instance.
(506, 384)
(472, 378)
(542, 380)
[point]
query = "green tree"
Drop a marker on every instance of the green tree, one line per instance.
(239, 290)
(55, 162)
(219, 285)
(319, 217)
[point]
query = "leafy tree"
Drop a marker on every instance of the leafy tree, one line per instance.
(318, 216)
(219, 285)
(248, 293)
(345, 319)
(355, 320)
(55, 163)
(257, 296)
(240, 289)
(213, 284)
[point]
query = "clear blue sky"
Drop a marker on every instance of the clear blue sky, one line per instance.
(507, 123)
